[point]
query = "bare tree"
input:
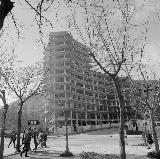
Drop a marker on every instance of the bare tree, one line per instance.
(65, 109)
(24, 82)
(3, 120)
(116, 40)
(6, 64)
(148, 97)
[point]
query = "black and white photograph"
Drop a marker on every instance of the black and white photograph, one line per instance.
(80, 79)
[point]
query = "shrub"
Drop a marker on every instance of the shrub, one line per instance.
(154, 154)
(93, 155)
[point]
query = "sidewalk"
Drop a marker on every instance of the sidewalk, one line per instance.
(54, 151)
(41, 154)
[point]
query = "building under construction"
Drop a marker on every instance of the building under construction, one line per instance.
(88, 96)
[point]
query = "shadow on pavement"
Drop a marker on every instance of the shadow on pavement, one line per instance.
(108, 131)
(42, 154)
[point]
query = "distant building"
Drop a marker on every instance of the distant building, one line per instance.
(89, 95)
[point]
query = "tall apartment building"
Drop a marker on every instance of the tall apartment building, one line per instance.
(89, 95)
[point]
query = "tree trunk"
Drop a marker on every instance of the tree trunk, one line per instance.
(154, 131)
(122, 121)
(19, 130)
(5, 7)
(2, 135)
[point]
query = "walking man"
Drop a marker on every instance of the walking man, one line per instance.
(26, 142)
(13, 139)
(35, 135)
(44, 138)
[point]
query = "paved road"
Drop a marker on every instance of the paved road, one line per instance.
(102, 141)
(58, 143)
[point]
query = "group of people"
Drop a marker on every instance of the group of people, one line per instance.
(39, 138)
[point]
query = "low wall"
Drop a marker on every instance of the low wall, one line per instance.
(62, 130)
(142, 127)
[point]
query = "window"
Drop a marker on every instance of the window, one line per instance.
(111, 96)
(88, 107)
(79, 71)
(74, 96)
(96, 95)
(59, 56)
(72, 81)
(67, 88)
(79, 84)
(75, 105)
(73, 89)
(99, 76)
(60, 49)
(86, 73)
(79, 106)
(114, 102)
(59, 79)
(60, 36)
(95, 82)
(59, 71)
(89, 80)
(79, 98)
(67, 63)
(97, 101)
(60, 95)
(67, 71)
(88, 86)
(109, 102)
(68, 95)
(79, 91)
(88, 93)
(67, 79)
(100, 82)
(101, 101)
(79, 77)
(58, 42)
(59, 86)
(59, 64)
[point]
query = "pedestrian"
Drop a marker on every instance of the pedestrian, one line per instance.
(13, 139)
(149, 140)
(40, 139)
(125, 136)
(44, 136)
(35, 135)
(136, 128)
(26, 142)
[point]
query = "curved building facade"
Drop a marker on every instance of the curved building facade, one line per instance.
(88, 96)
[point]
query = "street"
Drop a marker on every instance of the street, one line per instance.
(101, 141)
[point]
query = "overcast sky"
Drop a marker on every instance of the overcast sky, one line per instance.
(30, 50)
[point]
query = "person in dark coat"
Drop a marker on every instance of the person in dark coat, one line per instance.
(35, 135)
(44, 136)
(26, 142)
(149, 140)
(13, 139)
